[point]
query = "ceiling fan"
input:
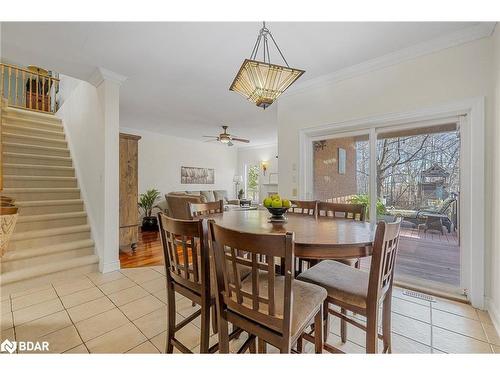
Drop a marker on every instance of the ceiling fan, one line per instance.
(225, 138)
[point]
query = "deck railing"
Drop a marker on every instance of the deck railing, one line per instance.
(33, 88)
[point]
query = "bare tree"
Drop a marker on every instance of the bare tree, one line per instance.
(401, 161)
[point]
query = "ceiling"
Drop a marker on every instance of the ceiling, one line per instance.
(179, 73)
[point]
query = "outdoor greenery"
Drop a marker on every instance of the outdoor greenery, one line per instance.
(401, 161)
(253, 182)
(147, 201)
(364, 199)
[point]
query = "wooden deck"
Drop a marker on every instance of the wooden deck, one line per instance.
(428, 255)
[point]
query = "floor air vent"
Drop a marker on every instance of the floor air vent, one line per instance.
(419, 295)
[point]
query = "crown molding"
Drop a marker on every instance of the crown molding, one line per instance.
(482, 30)
(256, 147)
(100, 75)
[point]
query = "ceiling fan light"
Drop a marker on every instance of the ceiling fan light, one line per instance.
(224, 140)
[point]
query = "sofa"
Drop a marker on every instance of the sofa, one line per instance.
(176, 203)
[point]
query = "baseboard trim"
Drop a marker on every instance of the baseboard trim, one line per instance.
(109, 267)
(494, 314)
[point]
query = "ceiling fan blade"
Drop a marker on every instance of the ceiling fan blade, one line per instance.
(211, 140)
(210, 136)
(240, 140)
(230, 143)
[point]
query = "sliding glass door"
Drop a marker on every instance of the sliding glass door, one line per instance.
(341, 168)
(416, 176)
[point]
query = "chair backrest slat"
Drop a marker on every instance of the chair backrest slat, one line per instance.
(385, 247)
(342, 210)
(255, 283)
(303, 207)
(270, 290)
(255, 298)
(236, 278)
(185, 256)
(203, 209)
(185, 252)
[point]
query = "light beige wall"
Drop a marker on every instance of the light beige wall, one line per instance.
(449, 75)
(494, 301)
(161, 157)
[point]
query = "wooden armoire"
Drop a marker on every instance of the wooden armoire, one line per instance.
(129, 213)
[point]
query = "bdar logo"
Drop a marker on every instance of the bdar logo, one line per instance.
(8, 346)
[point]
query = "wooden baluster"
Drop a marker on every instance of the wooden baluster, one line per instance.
(8, 91)
(49, 95)
(15, 99)
(43, 94)
(31, 91)
(37, 92)
(24, 91)
(52, 95)
(56, 87)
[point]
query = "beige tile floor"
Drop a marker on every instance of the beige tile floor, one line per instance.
(125, 312)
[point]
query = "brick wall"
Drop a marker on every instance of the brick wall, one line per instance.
(328, 183)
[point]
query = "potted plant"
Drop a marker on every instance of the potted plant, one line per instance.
(146, 203)
(240, 194)
(363, 199)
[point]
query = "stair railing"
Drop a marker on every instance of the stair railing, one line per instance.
(29, 88)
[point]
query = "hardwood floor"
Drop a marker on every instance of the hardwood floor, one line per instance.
(148, 252)
(430, 256)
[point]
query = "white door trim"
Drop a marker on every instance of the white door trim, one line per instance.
(472, 173)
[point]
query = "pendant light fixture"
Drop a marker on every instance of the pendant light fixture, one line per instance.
(260, 81)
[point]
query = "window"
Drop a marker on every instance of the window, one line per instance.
(252, 182)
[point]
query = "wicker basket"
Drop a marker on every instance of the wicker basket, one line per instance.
(8, 219)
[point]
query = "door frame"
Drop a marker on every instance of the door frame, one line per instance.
(472, 173)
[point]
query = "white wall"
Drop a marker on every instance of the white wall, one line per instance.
(161, 157)
(256, 155)
(66, 88)
(494, 300)
(83, 122)
(453, 74)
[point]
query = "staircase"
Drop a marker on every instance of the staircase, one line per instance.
(52, 237)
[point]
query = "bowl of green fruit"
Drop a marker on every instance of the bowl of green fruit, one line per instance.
(277, 207)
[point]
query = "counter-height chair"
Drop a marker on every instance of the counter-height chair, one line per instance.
(202, 209)
(273, 308)
(343, 211)
(309, 208)
(303, 207)
(359, 291)
(187, 265)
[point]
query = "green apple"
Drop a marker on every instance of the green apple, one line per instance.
(268, 202)
(287, 203)
(277, 203)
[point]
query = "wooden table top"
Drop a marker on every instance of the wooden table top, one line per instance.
(318, 238)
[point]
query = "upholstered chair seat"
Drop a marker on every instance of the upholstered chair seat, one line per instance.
(343, 283)
(306, 297)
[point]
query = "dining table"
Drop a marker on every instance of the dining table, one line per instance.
(315, 238)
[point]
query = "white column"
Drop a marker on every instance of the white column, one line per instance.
(108, 90)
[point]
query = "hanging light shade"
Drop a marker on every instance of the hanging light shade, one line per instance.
(260, 81)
